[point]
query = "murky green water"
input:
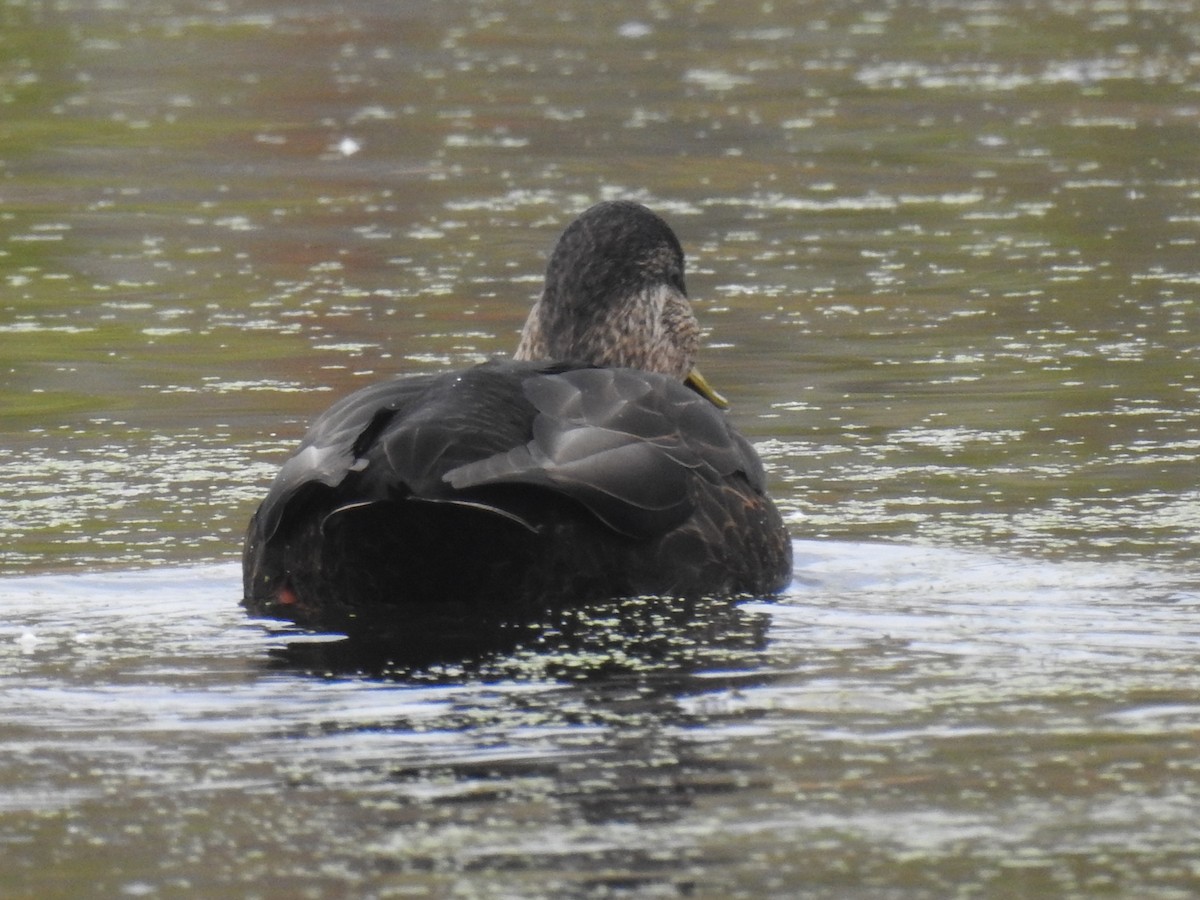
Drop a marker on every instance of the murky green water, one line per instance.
(947, 257)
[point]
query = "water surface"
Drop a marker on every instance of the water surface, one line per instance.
(946, 257)
(916, 720)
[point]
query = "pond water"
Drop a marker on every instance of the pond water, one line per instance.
(946, 257)
(906, 722)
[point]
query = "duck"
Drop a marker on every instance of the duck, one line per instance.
(595, 464)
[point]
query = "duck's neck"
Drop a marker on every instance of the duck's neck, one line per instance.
(654, 330)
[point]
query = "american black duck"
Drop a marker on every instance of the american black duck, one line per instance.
(593, 465)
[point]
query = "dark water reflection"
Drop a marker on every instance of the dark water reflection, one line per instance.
(603, 640)
(947, 257)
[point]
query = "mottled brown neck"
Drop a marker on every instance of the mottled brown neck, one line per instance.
(654, 330)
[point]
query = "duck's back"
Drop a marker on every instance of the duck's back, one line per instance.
(509, 487)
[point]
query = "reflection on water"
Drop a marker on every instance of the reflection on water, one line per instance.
(948, 263)
(624, 637)
(906, 720)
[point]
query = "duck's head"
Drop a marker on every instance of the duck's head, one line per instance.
(615, 296)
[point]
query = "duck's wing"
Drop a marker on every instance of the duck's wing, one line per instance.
(635, 448)
(396, 439)
(331, 448)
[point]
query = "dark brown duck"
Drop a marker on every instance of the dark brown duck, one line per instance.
(594, 465)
